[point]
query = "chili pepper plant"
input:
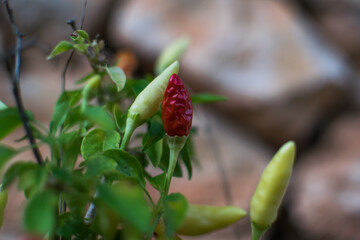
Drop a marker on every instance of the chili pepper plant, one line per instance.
(94, 184)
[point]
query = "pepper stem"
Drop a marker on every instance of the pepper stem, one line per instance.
(176, 144)
(257, 232)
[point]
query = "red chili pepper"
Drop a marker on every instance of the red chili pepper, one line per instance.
(177, 110)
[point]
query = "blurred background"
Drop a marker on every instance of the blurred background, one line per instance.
(289, 69)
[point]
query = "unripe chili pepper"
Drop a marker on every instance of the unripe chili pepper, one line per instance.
(3, 202)
(202, 219)
(177, 113)
(271, 188)
(147, 102)
(171, 53)
(177, 110)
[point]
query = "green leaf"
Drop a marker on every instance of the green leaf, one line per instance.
(127, 164)
(117, 75)
(98, 141)
(15, 170)
(9, 121)
(186, 155)
(129, 203)
(112, 140)
(40, 213)
(106, 222)
(136, 86)
(154, 152)
(71, 225)
(65, 138)
(171, 53)
(207, 98)
(63, 46)
(100, 117)
(62, 107)
(155, 132)
(100, 165)
(83, 34)
(158, 181)
(32, 180)
(85, 78)
(2, 106)
(81, 46)
(120, 118)
(6, 153)
(92, 143)
(76, 201)
(176, 206)
(71, 151)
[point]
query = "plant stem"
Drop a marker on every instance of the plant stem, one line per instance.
(149, 197)
(157, 216)
(176, 144)
(16, 85)
(174, 154)
(257, 232)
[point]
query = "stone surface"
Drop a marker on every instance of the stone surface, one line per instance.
(338, 22)
(326, 185)
(46, 20)
(276, 71)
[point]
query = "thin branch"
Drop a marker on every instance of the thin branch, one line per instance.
(83, 14)
(12, 52)
(16, 85)
(63, 74)
(72, 24)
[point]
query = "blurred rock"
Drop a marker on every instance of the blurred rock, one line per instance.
(46, 20)
(339, 22)
(281, 79)
(326, 185)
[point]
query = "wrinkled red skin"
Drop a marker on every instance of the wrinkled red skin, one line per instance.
(177, 110)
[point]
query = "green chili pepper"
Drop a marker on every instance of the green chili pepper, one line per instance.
(3, 202)
(147, 103)
(201, 219)
(271, 188)
(171, 53)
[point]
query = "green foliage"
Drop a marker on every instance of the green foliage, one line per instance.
(61, 110)
(207, 98)
(9, 121)
(101, 117)
(5, 154)
(98, 141)
(117, 75)
(174, 212)
(128, 202)
(63, 46)
(86, 166)
(40, 213)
